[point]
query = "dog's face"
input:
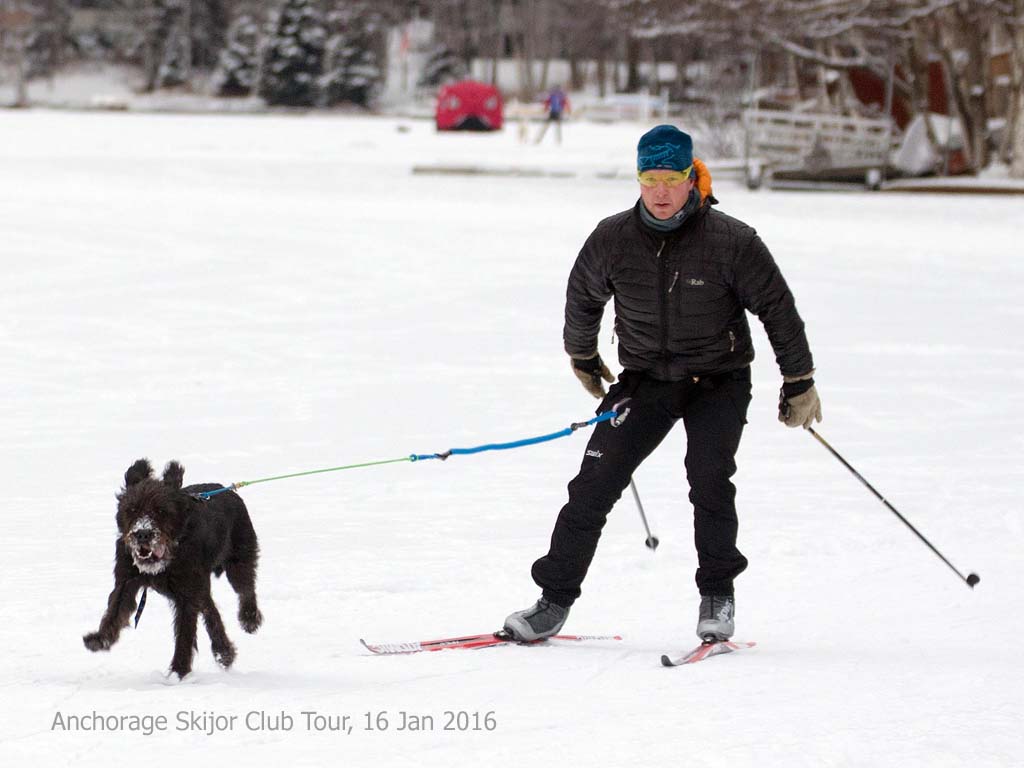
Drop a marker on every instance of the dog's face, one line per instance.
(151, 515)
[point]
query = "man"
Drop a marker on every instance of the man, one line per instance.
(682, 276)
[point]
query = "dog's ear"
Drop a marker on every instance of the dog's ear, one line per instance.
(173, 475)
(137, 472)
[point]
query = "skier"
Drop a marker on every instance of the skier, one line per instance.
(682, 275)
(556, 104)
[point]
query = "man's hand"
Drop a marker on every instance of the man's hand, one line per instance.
(590, 371)
(799, 404)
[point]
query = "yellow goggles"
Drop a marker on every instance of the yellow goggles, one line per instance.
(673, 179)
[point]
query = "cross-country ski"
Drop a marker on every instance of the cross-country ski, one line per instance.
(705, 651)
(471, 642)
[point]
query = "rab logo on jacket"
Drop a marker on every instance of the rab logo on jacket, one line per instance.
(595, 454)
(695, 281)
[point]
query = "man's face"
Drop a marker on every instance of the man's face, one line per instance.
(661, 199)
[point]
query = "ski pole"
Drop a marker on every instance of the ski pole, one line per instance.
(652, 541)
(971, 579)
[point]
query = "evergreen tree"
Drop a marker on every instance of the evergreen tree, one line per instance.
(236, 70)
(293, 61)
(352, 73)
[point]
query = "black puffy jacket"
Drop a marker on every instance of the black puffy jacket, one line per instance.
(680, 298)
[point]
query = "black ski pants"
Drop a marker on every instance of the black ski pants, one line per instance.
(713, 410)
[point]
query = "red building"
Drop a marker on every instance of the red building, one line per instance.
(870, 89)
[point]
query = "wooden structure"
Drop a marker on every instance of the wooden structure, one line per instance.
(821, 145)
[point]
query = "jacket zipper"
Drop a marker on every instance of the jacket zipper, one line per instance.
(732, 341)
(663, 305)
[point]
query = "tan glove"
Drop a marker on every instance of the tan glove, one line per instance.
(590, 371)
(799, 404)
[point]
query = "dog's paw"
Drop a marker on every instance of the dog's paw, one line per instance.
(225, 656)
(179, 674)
(250, 618)
(94, 641)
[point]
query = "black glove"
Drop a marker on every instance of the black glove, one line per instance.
(590, 371)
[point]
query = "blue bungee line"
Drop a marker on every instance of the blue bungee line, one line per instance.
(606, 416)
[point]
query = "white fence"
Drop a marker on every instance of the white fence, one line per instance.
(807, 140)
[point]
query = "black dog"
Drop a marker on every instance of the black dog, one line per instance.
(172, 540)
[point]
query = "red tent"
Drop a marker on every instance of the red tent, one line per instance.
(469, 106)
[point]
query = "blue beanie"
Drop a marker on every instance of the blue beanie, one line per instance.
(664, 147)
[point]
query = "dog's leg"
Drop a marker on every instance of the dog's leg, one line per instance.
(242, 577)
(241, 570)
(223, 650)
(120, 604)
(186, 617)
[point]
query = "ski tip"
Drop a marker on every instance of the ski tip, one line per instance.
(666, 661)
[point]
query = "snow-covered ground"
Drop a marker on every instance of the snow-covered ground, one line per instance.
(261, 295)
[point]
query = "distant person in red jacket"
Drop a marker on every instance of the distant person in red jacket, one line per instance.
(556, 104)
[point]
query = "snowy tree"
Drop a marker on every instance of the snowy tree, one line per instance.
(1015, 128)
(237, 67)
(442, 66)
(208, 27)
(49, 36)
(176, 36)
(352, 73)
(33, 41)
(165, 43)
(879, 35)
(294, 53)
(174, 65)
